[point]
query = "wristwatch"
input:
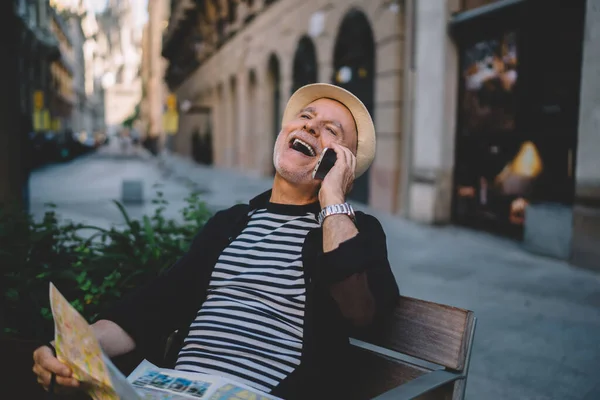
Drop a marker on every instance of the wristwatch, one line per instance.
(334, 209)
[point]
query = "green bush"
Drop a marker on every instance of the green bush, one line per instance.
(90, 265)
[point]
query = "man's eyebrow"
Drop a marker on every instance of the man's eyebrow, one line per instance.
(337, 124)
(311, 110)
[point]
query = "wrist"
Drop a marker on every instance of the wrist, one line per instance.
(331, 199)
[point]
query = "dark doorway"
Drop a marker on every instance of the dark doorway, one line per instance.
(305, 64)
(518, 112)
(250, 142)
(354, 70)
(274, 81)
(202, 147)
(235, 141)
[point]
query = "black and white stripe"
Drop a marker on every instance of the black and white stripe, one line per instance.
(250, 327)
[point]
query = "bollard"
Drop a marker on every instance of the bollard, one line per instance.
(132, 192)
(548, 230)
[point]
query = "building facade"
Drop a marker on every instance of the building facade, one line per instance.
(238, 62)
(30, 48)
(62, 71)
(121, 45)
(483, 118)
(153, 69)
(77, 26)
(88, 111)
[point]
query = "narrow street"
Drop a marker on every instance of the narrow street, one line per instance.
(538, 325)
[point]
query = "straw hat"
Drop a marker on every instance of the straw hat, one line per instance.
(364, 124)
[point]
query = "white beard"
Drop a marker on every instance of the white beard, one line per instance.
(292, 176)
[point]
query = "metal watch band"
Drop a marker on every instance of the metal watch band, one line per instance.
(334, 209)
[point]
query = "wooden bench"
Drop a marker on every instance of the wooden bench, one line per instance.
(421, 351)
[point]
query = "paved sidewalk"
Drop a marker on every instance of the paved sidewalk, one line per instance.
(538, 319)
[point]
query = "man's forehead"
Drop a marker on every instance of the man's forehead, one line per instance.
(312, 108)
(329, 100)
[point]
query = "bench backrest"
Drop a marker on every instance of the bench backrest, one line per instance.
(428, 331)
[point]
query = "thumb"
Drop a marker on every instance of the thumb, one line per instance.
(46, 359)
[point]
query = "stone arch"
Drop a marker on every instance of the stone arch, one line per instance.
(354, 70)
(305, 66)
(273, 97)
(252, 118)
(220, 142)
(233, 119)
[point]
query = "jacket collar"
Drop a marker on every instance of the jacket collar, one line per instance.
(260, 201)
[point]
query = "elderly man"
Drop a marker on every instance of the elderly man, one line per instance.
(269, 291)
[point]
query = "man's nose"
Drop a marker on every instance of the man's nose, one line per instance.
(309, 126)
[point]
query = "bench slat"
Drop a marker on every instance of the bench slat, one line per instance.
(429, 331)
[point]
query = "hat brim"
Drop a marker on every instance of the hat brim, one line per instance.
(365, 152)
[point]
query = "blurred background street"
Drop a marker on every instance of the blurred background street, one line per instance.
(486, 177)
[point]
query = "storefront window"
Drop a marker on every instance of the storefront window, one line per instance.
(517, 115)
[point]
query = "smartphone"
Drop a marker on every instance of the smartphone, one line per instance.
(325, 163)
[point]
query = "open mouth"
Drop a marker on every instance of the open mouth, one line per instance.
(303, 147)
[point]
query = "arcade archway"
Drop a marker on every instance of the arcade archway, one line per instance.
(354, 70)
(305, 64)
(274, 95)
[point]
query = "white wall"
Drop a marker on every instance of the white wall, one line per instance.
(588, 150)
(433, 114)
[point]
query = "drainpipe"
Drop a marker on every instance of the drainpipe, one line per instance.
(410, 49)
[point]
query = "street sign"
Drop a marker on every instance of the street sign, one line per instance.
(171, 122)
(38, 99)
(56, 124)
(172, 102)
(46, 118)
(41, 120)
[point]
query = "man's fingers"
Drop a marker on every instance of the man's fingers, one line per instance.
(42, 384)
(344, 153)
(45, 358)
(43, 376)
(67, 382)
(352, 161)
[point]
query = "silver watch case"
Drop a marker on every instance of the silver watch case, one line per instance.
(335, 209)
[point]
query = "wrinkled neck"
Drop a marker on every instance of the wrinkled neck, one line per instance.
(285, 192)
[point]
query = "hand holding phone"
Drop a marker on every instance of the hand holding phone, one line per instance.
(325, 163)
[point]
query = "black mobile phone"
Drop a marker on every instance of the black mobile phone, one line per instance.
(325, 163)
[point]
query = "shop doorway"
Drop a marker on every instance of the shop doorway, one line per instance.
(274, 92)
(354, 70)
(517, 113)
(305, 64)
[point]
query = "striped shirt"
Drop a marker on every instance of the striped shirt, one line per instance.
(250, 327)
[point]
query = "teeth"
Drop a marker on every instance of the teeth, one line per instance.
(310, 149)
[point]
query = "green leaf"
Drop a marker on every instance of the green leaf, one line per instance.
(149, 232)
(123, 212)
(12, 294)
(46, 313)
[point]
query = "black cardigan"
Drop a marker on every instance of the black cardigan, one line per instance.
(170, 302)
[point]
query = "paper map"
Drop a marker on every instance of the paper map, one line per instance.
(77, 346)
